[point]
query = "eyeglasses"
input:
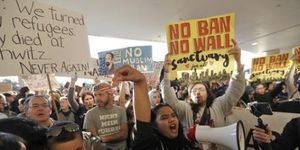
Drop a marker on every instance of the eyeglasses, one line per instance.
(36, 106)
(56, 130)
(195, 90)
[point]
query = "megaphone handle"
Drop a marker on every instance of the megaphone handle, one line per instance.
(264, 146)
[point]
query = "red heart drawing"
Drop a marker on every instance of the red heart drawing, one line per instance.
(187, 65)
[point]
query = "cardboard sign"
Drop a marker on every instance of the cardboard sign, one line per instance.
(39, 82)
(139, 57)
(91, 73)
(41, 39)
(5, 87)
(201, 45)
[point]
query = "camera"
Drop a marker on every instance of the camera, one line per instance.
(260, 108)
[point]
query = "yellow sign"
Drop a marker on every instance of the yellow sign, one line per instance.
(200, 45)
(270, 68)
(297, 56)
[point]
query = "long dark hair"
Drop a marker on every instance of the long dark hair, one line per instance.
(180, 142)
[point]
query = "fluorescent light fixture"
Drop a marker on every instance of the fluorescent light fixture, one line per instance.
(255, 43)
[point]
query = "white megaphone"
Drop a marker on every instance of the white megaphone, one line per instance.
(232, 136)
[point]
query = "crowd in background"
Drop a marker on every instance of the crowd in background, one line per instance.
(118, 116)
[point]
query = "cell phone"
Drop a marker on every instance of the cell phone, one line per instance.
(261, 108)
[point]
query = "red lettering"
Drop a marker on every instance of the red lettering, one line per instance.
(211, 43)
(174, 31)
(202, 28)
(214, 26)
(185, 30)
(184, 46)
(225, 24)
(174, 48)
(199, 44)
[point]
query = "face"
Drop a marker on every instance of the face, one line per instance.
(102, 98)
(156, 98)
(167, 122)
(2, 104)
(199, 94)
(108, 59)
(10, 99)
(21, 107)
(260, 89)
(39, 109)
(75, 144)
(88, 101)
(64, 104)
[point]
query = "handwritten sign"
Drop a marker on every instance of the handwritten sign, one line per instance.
(5, 87)
(39, 39)
(270, 68)
(200, 45)
(91, 73)
(39, 82)
(139, 57)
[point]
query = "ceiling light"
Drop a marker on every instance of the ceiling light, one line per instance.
(255, 43)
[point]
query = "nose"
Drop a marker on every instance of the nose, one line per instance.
(171, 119)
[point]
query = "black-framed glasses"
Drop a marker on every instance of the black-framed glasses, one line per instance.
(57, 129)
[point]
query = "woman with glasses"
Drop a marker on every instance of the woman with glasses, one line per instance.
(204, 108)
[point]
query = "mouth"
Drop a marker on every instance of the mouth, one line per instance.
(173, 128)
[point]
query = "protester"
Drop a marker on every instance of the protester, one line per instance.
(288, 140)
(154, 96)
(38, 108)
(65, 113)
(88, 102)
(165, 131)
(23, 92)
(205, 109)
(65, 135)
(107, 121)
(4, 108)
(11, 142)
(33, 134)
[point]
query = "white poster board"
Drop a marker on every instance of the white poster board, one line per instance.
(39, 82)
(92, 73)
(38, 39)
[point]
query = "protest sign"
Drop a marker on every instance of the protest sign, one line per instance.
(269, 68)
(39, 82)
(41, 39)
(201, 45)
(139, 57)
(5, 87)
(91, 73)
(153, 77)
(296, 51)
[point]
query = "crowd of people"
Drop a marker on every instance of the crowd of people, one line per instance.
(125, 114)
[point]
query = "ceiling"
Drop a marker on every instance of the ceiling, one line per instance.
(273, 24)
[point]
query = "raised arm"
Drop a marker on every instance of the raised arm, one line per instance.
(237, 83)
(289, 81)
(141, 101)
(71, 94)
(168, 94)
